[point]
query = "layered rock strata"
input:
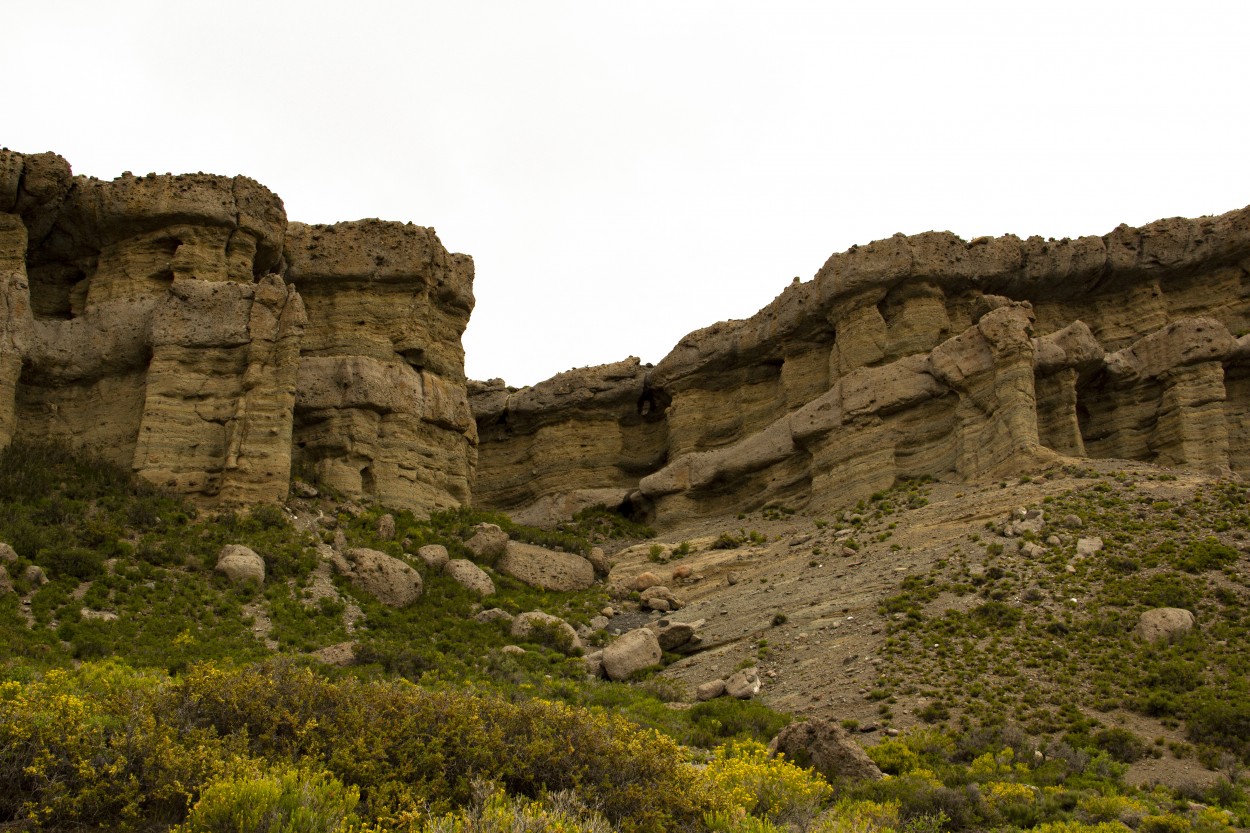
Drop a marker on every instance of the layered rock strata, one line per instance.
(912, 356)
(179, 326)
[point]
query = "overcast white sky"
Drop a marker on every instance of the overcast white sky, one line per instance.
(624, 173)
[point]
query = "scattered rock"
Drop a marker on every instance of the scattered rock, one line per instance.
(547, 629)
(239, 564)
(631, 653)
(1031, 550)
(470, 576)
(386, 527)
(710, 690)
(826, 747)
(515, 650)
(303, 490)
(34, 576)
(1024, 520)
(488, 542)
(387, 579)
(1164, 624)
(546, 569)
(1072, 521)
(98, 615)
(7, 554)
(744, 684)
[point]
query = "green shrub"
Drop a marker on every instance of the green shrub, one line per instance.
(287, 801)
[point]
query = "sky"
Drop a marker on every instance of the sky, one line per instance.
(625, 173)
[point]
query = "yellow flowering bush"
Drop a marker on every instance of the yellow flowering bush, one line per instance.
(744, 780)
(286, 801)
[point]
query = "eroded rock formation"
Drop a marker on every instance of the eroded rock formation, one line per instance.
(179, 326)
(912, 356)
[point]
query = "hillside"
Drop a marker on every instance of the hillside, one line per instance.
(911, 611)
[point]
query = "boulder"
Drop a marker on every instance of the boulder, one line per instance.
(433, 556)
(660, 598)
(7, 554)
(743, 684)
(239, 564)
(6, 583)
(342, 654)
(494, 614)
(488, 542)
(470, 576)
(384, 577)
(546, 569)
(599, 562)
(1164, 624)
(1086, 547)
(546, 629)
(594, 663)
(386, 527)
(631, 653)
(710, 690)
(644, 580)
(826, 747)
(674, 635)
(35, 576)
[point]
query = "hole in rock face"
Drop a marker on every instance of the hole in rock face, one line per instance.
(414, 356)
(368, 484)
(653, 403)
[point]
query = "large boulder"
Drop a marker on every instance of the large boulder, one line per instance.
(488, 542)
(470, 576)
(385, 578)
(546, 629)
(1164, 624)
(631, 653)
(546, 569)
(827, 748)
(240, 564)
(7, 554)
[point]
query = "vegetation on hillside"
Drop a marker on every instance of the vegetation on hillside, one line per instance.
(168, 712)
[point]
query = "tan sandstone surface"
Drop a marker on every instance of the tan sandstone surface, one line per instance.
(178, 325)
(911, 356)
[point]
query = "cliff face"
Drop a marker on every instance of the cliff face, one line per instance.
(159, 321)
(912, 356)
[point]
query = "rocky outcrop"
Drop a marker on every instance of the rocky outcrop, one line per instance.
(179, 326)
(912, 356)
(382, 408)
(827, 748)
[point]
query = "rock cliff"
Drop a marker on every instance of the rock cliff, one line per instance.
(911, 356)
(179, 325)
